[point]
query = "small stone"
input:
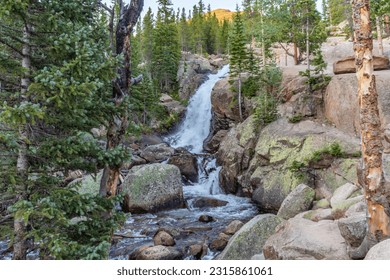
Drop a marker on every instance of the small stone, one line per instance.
(198, 251)
(163, 238)
(220, 243)
(206, 219)
(233, 227)
(160, 253)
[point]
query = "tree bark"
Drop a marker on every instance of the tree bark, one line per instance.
(128, 17)
(378, 218)
(387, 25)
(20, 246)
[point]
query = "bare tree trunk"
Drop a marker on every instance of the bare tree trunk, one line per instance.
(373, 179)
(128, 17)
(262, 38)
(20, 246)
(296, 60)
(307, 43)
(379, 34)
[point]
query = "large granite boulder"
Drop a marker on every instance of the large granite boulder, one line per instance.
(153, 187)
(347, 64)
(297, 201)
(302, 239)
(250, 239)
(353, 229)
(380, 251)
(283, 145)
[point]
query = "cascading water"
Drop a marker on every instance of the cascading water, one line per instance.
(196, 125)
(190, 135)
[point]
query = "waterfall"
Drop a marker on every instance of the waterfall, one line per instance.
(196, 125)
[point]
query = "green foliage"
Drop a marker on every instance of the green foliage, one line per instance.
(295, 119)
(317, 80)
(266, 109)
(68, 225)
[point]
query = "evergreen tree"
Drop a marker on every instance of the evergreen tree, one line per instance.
(60, 94)
(166, 49)
(238, 53)
(147, 40)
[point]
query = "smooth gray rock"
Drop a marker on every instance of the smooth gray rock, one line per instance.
(342, 193)
(250, 239)
(380, 251)
(353, 229)
(297, 201)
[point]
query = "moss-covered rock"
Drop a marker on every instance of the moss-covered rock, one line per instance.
(297, 201)
(250, 239)
(153, 187)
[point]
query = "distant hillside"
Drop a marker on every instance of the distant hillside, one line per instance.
(223, 13)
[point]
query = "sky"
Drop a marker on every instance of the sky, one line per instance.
(188, 4)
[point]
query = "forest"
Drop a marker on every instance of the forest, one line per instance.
(82, 85)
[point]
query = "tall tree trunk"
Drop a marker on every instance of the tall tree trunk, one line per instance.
(373, 179)
(307, 42)
(262, 38)
(296, 60)
(20, 247)
(379, 35)
(128, 17)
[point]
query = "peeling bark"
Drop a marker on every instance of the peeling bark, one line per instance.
(128, 18)
(373, 180)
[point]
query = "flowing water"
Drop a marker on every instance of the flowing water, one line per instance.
(139, 229)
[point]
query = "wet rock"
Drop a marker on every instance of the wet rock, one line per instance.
(380, 251)
(208, 202)
(163, 238)
(187, 164)
(206, 219)
(220, 243)
(160, 253)
(233, 227)
(151, 188)
(133, 255)
(302, 239)
(353, 229)
(297, 201)
(198, 251)
(212, 142)
(347, 65)
(250, 239)
(157, 153)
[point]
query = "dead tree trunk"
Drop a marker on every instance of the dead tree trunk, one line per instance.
(378, 218)
(128, 18)
(19, 245)
(387, 26)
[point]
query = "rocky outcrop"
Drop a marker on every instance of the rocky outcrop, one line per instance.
(341, 104)
(172, 105)
(297, 201)
(235, 153)
(151, 188)
(283, 146)
(193, 71)
(187, 164)
(347, 64)
(302, 239)
(250, 239)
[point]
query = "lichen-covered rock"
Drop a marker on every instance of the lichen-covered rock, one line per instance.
(250, 239)
(283, 144)
(153, 187)
(302, 239)
(380, 251)
(297, 201)
(235, 153)
(353, 229)
(318, 215)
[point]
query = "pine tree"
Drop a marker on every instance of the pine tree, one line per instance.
(238, 53)
(166, 49)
